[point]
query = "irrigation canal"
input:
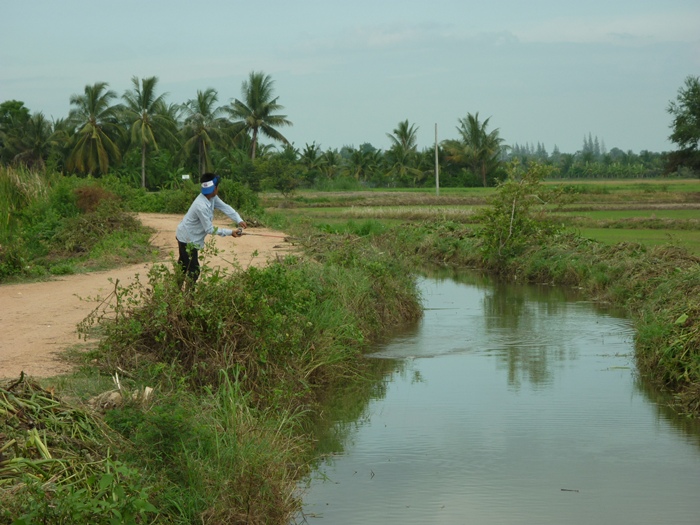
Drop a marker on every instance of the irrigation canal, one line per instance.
(507, 405)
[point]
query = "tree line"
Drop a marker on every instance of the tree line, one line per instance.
(141, 137)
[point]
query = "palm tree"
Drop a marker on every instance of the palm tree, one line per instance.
(203, 127)
(311, 156)
(403, 156)
(477, 148)
(404, 136)
(256, 112)
(330, 162)
(147, 117)
(403, 166)
(363, 163)
(95, 121)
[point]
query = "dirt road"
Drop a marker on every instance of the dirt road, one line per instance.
(38, 321)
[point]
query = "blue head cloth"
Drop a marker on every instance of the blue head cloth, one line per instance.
(210, 186)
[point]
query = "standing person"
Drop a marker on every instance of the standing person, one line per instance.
(198, 222)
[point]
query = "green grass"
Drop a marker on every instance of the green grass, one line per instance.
(651, 214)
(642, 185)
(690, 240)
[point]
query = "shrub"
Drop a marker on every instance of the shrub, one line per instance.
(516, 218)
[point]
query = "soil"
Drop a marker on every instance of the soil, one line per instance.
(39, 320)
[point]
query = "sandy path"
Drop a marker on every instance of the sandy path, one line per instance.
(39, 320)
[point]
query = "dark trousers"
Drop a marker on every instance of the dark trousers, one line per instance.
(189, 260)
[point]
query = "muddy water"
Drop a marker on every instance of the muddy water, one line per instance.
(507, 405)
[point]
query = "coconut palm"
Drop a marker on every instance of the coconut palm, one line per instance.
(95, 121)
(478, 149)
(331, 161)
(404, 136)
(147, 117)
(403, 166)
(312, 156)
(256, 113)
(203, 127)
(402, 157)
(363, 163)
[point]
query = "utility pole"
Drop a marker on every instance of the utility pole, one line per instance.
(437, 169)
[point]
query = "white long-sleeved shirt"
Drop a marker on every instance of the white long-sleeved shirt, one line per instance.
(198, 221)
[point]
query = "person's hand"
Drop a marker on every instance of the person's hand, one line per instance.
(238, 232)
(242, 224)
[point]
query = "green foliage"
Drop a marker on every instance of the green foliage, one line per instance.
(362, 229)
(516, 218)
(276, 323)
(278, 175)
(343, 183)
(81, 233)
(115, 496)
(239, 195)
(686, 127)
(65, 221)
(686, 115)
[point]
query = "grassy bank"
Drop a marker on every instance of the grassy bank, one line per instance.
(237, 366)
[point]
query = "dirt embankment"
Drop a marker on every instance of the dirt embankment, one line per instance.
(38, 321)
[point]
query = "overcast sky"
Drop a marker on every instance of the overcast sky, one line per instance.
(347, 72)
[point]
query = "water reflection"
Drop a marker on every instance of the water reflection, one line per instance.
(538, 418)
(346, 408)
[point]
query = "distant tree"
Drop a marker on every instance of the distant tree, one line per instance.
(363, 162)
(203, 127)
(289, 154)
(313, 160)
(404, 136)
(256, 113)
(592, 149)
(402, 157)
(403, 166)
(31, 143)
(13, 116)
(686, 124)
(311, 156)
(278, 173)
(13, 113)
(476, 148)
(331, 161)
(556, 155)
(96, 124)
(147, 118)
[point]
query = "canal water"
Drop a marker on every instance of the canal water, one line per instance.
(507, 405)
